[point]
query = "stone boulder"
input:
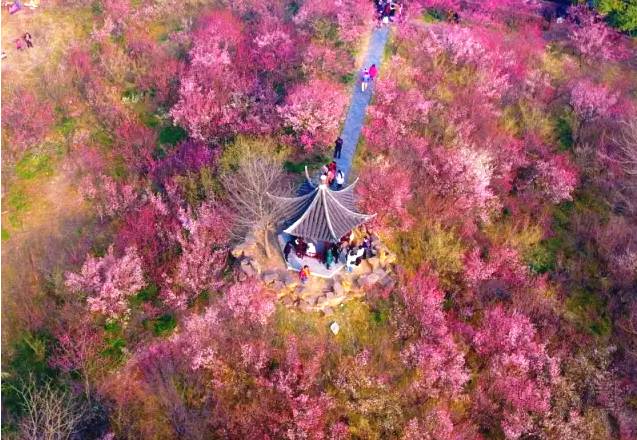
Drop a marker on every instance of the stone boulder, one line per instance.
(346, 284)
(338, 288)
(386, 257)
(270, 277)
(374, 262)
(364, 267)
(247, 268)
(247, 248)
(289, 279)
(367, 281)
(255, 265)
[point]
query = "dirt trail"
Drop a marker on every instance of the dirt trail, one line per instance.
(48, 235)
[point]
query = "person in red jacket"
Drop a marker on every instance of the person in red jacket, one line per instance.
(304, 274)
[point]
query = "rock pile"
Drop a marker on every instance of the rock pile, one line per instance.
(319, 294)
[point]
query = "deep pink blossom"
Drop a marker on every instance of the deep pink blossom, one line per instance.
(215, 90)
(557, 178)
(519, 372)
(26, 120)
(385, 190)
(591, 37)
(438, 361)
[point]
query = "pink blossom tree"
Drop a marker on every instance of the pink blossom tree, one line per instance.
(591, 101)
(204, 253)
(438, 361)
(153, 228)
(385, 190)
(25, 121)
(135, 142)
(314, 111)
(557, 178)
(78, 344)
(518, 373)
(591, 37)
(437, 425)
(407, 109)
(110, 197)
(462, 176)
(109, 281)
(250, 301)
(215, 90)
(350, 17)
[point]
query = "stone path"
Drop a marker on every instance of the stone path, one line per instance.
(358, 105)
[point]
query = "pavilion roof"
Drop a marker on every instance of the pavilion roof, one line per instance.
(320, 213)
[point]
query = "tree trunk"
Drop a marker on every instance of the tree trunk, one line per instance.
(87, 387)
(266, 243)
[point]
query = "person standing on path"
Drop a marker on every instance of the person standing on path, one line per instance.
(304, 274)
(27, 39)
(340, 180)
(364, 80)
(338, 147)
(373, 72)
(329, 258)
(287, 249)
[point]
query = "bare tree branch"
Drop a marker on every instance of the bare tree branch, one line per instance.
(248, 187)
(627, 141)
(50, 413)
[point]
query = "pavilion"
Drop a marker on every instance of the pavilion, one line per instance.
(322, 216)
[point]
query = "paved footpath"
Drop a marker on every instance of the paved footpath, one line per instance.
(358, 106)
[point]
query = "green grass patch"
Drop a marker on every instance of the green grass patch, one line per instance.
(102, 137)
(433, 15)
(34, 165)
(29, 357)
(315, 161)
(542, 257)
(5, 234)
(564, 133)
(163, 326)
(147, 294)
(290, 321)
(348, 78)
(150, 120)
(326, 31)
(66, 126)
(436, 245)
(18, 203)
(172, 134)
(588, 310)
(114, 341)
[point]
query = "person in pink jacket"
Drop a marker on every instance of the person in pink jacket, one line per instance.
(373, 71)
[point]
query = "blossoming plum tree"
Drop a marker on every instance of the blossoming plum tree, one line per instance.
(518, 372)
(314, 111)
(109, 281)
(438, 361)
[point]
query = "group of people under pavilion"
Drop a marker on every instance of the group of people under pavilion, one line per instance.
(322, 231)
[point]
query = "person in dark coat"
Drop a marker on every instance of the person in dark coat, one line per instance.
(338, 147)
(27, 39)
(287, 249)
